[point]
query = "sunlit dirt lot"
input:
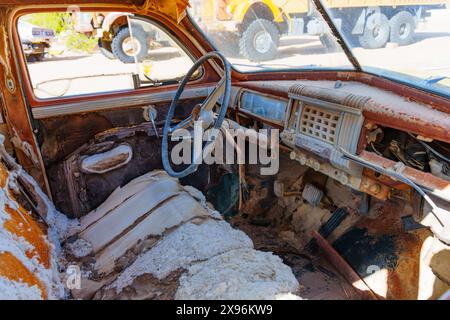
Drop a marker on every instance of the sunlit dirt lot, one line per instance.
(76, 73)
(71, 73)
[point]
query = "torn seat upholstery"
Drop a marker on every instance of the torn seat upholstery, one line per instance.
(156, 239)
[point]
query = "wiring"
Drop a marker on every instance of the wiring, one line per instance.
(396, 175)
(432, 150)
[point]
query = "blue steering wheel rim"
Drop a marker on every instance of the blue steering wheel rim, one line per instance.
(218, 123)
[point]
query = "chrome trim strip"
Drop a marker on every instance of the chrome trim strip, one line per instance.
(115, 103)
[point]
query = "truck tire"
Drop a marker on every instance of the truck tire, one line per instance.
(402, 28)
(232, 43)
(329, 42)
(37, 57)
(105, 49)
(259, 42)
(376, 32)
(40, 57)
(122, 45)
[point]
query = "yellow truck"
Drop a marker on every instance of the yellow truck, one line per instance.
(259, 24)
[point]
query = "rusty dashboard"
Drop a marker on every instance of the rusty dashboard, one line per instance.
(323, 119)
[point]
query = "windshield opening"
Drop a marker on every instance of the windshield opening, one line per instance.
(269, 35)
(407, 41)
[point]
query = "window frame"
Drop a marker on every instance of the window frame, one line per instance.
(166, 25)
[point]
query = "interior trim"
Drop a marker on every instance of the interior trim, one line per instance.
(116, 102)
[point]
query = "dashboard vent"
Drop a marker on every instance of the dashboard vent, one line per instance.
(320, 124)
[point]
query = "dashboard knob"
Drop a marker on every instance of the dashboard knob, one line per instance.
(375, 188)
(343, 178)
(302, 159)
(316, 165)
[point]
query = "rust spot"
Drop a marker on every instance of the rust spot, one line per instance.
(385, 180)
(419, 177)
(386, 221)
(22, 225)
(404, 280)
(374, 188)
(13, 269)
(4, 174)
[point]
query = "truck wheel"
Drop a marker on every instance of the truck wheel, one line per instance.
(36, 57)
(40, 57)
(125, 48)
(402, 28)
(259, 41)
(105, 49)
(376, 32)
(232, 41)
(329, 42)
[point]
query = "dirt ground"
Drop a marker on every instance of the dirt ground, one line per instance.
(428, 56)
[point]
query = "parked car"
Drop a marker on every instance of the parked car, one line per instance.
(35, 40)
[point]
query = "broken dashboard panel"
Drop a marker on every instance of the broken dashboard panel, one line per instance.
(320, 124)
(263, 106)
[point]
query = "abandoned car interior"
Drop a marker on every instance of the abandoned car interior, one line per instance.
(348, 196)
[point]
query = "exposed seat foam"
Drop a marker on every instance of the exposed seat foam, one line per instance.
(149, 233)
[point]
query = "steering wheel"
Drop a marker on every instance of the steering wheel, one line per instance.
(203, 112)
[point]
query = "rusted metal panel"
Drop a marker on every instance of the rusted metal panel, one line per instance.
(422, 178)
(422, 122)
(388, 258)
(77, 192)
(374, 188)
(26, 240)
(252, 81)
(385, 180)
(421, 118)
(15, 109)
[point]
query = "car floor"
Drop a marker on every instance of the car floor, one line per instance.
(187, 250)
(318, 279)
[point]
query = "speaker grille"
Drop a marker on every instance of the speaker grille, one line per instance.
(319, 123)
